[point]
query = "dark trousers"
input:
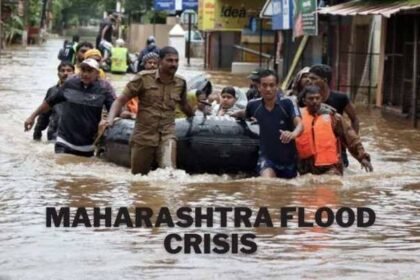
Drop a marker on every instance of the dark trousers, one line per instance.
(62, 149)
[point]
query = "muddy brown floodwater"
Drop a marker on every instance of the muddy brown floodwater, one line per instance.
(32, 178)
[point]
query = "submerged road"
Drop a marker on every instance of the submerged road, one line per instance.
(32, 178)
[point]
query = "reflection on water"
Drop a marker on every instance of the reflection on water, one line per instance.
(32, 177)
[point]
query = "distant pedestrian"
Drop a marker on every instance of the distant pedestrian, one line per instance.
(68, 52)
(119, 57)
(150, 47)
(280, 124)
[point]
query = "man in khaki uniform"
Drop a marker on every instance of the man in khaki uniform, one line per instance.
(158, 91)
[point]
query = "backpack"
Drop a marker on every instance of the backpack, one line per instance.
(66, 53)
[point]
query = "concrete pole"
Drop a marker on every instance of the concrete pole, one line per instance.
(43, 14)
(120, 27)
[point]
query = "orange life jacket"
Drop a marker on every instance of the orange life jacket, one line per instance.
(318, 139)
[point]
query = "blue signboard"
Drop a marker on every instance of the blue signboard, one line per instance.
(282, 14)
(190, 5)
(164, 5)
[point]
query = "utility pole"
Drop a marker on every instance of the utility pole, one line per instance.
(1, 34)
(120, 27)
(414, 96)
(154, 22)
(25, 23)
(43, 13)
(118, 10)
(189, 39)
(261, 40)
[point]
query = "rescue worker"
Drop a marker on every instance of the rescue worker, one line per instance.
(280, 124)
(83, 97)
(153, 138)
(319, 146)
(321, 75)
(51, 118)
(119, 58)
(68, 52)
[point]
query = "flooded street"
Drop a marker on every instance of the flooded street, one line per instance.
(32, 178)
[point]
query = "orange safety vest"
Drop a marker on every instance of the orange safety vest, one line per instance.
(318, 139)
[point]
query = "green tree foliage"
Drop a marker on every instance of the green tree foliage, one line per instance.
(34, 12)
(13, 27)
(75, 12)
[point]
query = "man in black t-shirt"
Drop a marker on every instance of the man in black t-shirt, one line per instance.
(321, 75)
(105, 29)
(83, 97)
(51, 118)
(105, 32)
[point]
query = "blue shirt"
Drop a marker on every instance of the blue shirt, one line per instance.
(271, 122)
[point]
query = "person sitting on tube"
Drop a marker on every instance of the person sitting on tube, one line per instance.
(227, 103)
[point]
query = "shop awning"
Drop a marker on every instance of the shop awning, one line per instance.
(354, 8)
(267, 10)
(363, 8)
